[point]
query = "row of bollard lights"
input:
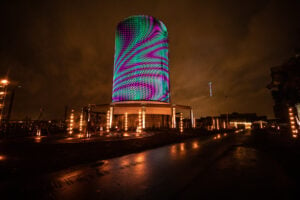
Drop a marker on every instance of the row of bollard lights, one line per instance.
(293, 123)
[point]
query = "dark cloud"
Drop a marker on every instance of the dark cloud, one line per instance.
(61, 52)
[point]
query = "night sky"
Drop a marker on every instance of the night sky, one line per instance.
(61, 52)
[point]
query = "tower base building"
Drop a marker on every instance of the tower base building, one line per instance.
(133, 115)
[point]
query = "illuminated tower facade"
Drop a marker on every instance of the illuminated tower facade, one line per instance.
(141, 64)
(141, 81)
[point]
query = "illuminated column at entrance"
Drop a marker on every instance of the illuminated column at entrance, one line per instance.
(213, 124)
(107, 121)
(218, 124)
(192, 118)
(173, 117)
(139, 128)
(260, 124)
(144, 118)
(111, 116)
(81, 122)
(126, 122)
(224, 125)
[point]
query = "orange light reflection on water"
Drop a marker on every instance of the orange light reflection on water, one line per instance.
(140, 157)
(2, 157)
(195, 145)
(70, 175)
(182, 147)
(37, 139)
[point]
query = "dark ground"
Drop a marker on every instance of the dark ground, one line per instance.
(25, 157)
(256, 165)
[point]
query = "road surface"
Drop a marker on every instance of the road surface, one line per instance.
(222, 167)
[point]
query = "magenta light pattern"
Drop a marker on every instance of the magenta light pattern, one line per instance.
(141, 69)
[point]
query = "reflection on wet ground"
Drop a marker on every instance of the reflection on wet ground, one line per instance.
(178, 171)
(76, 138)
(138, 175)
(2, 157)
(241, 170)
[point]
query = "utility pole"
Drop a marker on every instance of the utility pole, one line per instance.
(210, 88)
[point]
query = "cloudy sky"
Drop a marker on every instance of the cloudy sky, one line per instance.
(61, 52)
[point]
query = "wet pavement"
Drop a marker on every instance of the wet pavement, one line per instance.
(220, 166)
(77, 138)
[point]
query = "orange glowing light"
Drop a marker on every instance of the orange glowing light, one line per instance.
(181, 123)
(143, 118)
(139, 128)
(219, 136)
(2, 157)
(4, 81)
(81, 122)
(71, 122)
(108, 121)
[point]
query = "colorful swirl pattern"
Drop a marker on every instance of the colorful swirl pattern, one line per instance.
(141, 69)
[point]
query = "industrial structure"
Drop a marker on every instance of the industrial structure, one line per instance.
(3, 93)
(232, 120)
(285, 90)
(141, 81)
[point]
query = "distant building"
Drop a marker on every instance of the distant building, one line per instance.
(227, 121)
(285, 87)
(3, 94)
